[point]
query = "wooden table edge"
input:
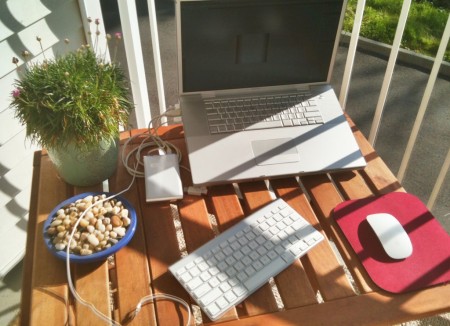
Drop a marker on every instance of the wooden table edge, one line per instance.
(340, 311)
(25, 302)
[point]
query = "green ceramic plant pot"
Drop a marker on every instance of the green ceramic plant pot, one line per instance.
(81, 167)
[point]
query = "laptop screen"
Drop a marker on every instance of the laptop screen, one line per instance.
(233, 44)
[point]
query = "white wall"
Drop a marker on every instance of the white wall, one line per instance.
(20, 22)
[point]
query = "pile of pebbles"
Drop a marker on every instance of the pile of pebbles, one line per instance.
(101, 227)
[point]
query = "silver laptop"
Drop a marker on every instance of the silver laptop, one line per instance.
(254, 92)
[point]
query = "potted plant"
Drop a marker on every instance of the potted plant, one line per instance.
(73, 106)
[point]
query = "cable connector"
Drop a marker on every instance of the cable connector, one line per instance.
(196, 191)
(175, 112)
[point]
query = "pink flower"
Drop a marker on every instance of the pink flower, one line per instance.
(16, 93)
(118, 35)
(97, 21)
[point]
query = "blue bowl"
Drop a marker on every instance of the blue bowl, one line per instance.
(96, 256)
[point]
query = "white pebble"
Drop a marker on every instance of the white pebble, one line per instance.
(81, 206)
(126, 221)
(56, 223)
(89, 215)
(85, 252)
(124, 212)
(120, 231)
(93, 240)
(90, 228)
(60, 246)
(73, 244)
(83, 223)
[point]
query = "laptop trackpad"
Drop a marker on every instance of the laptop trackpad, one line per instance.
(274, 151)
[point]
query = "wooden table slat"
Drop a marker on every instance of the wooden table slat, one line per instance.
(325, 269)
(225, 205)
(91, 282)
(325, 198)
(31, 237)
(131, 270)
(163, 250)
(49, 288)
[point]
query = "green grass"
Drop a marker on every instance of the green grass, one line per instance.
(424, 27)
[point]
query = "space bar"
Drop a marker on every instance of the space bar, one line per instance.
(264, 125)
(263, 275)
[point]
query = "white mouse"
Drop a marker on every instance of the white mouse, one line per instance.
(392, 235)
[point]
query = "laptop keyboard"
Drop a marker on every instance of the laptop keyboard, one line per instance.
(262, 112)
(227, 269)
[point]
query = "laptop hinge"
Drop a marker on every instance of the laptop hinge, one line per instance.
(207, 95)
(303, 88)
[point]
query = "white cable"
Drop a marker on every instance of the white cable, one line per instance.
(160, 145)
(152, 140)
(69, 276)
(153, 297)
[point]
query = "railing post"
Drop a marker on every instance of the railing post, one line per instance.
(133, 49)
(351, 53)
(425, 100)
(156, 55)
(439, 181)
(92, 9)
(389, 71)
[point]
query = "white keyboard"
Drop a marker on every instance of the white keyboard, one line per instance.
(227, 269)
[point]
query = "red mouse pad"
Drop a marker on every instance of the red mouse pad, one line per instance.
(429, 263)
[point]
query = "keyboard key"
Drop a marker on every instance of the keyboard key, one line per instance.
(230, 296)
(194, 283)
(213, 309)
(202, 290)
(222, 302)
(210, 296)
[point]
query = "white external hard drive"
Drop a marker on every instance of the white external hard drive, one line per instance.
(162, 178)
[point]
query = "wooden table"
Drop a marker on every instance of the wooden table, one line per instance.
(314, 290)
